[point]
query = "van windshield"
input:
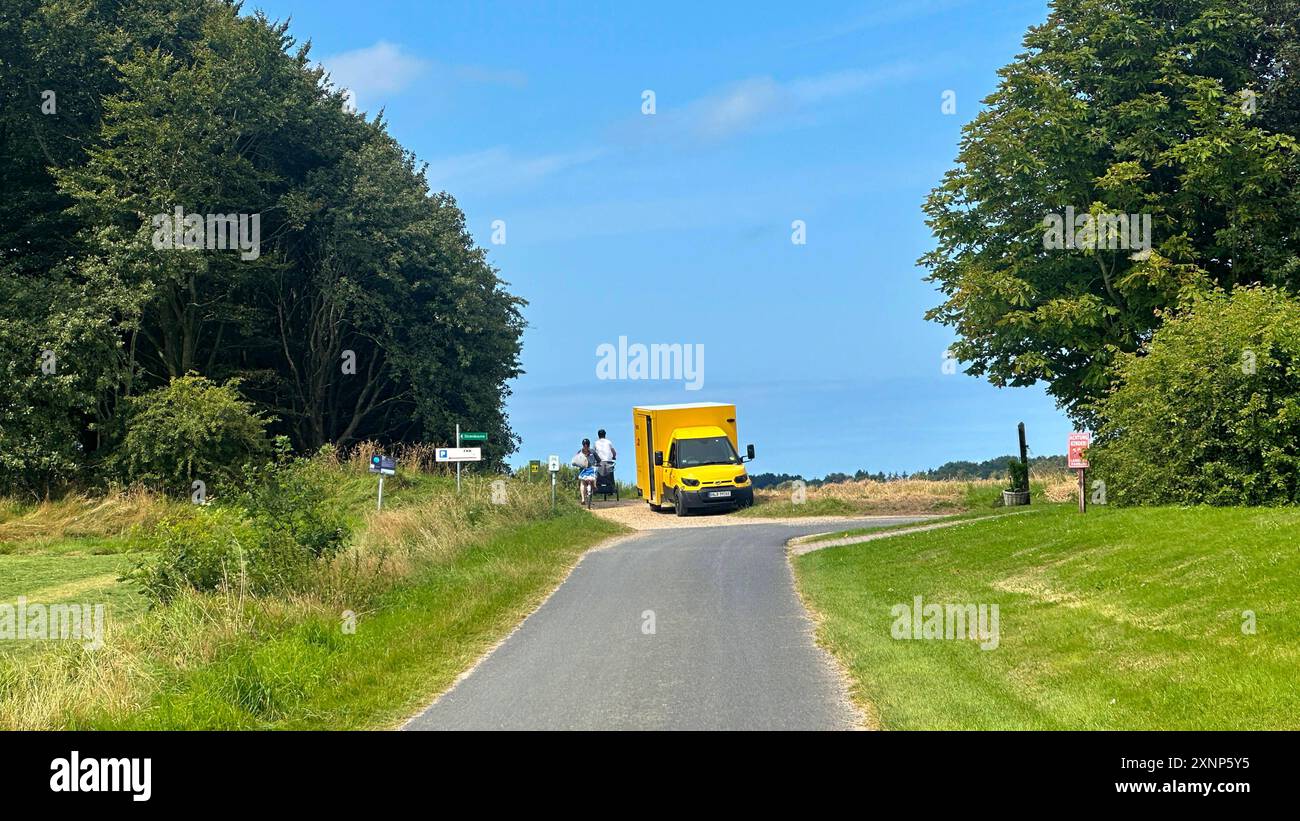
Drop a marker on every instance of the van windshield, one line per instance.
(715, 450)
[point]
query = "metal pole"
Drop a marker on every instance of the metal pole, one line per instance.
(381, 492)
(552, 490)
(458, 463)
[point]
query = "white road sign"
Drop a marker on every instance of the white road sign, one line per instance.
(459, 455)
(553, 463)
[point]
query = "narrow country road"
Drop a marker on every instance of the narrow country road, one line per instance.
(731, 647)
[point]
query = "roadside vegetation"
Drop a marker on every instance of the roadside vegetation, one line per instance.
(1123, 618)
(948, 519)
(234, 614)
(869, 497)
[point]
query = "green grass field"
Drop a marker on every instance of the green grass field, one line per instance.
(51, 565)
(983, 513)
(434, 581)
(1118, 619)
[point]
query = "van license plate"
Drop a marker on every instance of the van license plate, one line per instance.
(719, 494)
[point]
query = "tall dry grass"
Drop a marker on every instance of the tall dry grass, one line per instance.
(114, 514)
(395, 543)
(917, 495)
(67, 685)
(417, 456)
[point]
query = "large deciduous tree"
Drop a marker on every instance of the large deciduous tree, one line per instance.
(1186, 110)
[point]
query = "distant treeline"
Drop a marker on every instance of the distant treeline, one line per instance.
(995, 468)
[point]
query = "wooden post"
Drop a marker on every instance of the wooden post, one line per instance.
(1024, 456)
(1083, 499)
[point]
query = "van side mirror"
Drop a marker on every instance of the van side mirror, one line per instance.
(659, 458)
(749, 452)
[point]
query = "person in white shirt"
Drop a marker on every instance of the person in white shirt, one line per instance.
(604, 448)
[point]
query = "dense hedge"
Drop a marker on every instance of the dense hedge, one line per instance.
(1209, 411)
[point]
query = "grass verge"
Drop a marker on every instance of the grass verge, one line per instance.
(413, 644)
(956, 517)
(1120, 619)
(432, 580)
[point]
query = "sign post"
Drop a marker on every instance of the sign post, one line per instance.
(384, 466)
(1075, 446)
(534, 468)
(468, 437)
(554, 464)
(458, 455)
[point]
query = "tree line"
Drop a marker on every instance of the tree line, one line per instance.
(366, 312)
(995, 468)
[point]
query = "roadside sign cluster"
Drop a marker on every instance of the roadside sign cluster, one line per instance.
(458, 455)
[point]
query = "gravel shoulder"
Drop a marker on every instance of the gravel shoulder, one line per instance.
(637, 515)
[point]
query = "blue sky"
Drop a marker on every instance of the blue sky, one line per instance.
(675, 227)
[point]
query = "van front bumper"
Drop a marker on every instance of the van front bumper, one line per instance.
(701, 499)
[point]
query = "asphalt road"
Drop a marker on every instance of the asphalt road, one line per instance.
(731, 647)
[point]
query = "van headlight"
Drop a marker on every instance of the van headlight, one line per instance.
(742, 478)
(691, 482)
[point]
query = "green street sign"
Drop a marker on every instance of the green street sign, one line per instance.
(473, 437)
(535, 466)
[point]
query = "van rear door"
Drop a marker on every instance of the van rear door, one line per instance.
(646, 453)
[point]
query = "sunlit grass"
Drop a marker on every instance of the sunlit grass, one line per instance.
(1117, 619)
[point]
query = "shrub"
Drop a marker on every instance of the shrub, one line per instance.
(1018, 473)
(291, 496)
(216, 547)
(190, 429)
(1209, 411)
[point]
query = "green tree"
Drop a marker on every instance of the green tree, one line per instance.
(1186, 111)
(1209, 410)
(195, 105)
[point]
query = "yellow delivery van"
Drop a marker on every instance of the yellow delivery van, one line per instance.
(687, 457)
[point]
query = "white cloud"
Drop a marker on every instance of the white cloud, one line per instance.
(883, 16)
(760, 101)
(385, 68)
(500, 168)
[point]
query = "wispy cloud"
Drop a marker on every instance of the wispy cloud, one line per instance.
(499, 168)
(763, 101)
(747, 105)
(385, 68)
(879, 16)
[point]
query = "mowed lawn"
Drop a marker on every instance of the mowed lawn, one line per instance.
(1117, 619)
(85, 571)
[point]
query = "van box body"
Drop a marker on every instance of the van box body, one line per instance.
(658, 427)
